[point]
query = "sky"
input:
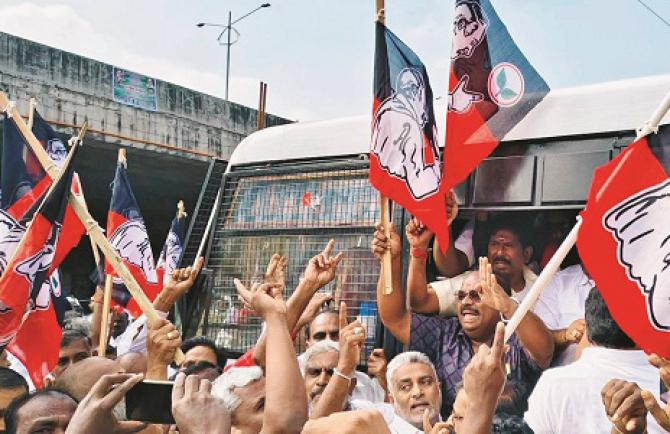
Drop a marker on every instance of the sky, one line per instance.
(317, 55)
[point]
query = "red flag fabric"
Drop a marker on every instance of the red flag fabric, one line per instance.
(37, 343)
(35, 260)
(404, 157)
(128, 235)
(623, 241)
(492, 86)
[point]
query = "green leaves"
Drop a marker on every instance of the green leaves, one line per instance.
(507, 93)
(501, 80)
(504, 92)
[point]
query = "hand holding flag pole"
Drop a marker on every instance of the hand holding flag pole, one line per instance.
(92, 226)
(650, 126)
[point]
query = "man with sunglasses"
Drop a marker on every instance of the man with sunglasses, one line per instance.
(450, 342)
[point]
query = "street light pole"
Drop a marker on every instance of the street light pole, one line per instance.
(230, 19)
(229, 29)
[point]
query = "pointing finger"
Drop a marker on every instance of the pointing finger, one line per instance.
(427, 426)
(343, 315)
(498, 341)
(329, 248)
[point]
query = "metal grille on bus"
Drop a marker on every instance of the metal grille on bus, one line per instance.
(294, 215)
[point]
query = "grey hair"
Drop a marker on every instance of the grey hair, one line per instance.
(403, 359)
(224, 386)
(325, 346)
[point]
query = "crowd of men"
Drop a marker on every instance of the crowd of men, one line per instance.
(568, 367)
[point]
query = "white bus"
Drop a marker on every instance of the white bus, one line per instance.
(290, 188)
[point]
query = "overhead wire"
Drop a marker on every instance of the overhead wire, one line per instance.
(654, 13)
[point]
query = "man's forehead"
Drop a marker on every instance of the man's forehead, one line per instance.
(325, 320)
(51, 404)
(251, 390)
(470, 281)
(414, 370)
(323, 360)
(76, 346)
(505, 234)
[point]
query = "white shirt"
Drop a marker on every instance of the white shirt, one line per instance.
(564, 299)
(567, 400)
(134, 338)
(446, 292)
(395, 423)
(464, 242)
(367, 389)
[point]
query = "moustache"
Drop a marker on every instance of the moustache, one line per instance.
(501, 259)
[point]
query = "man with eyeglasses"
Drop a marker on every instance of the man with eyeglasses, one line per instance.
(450, 343)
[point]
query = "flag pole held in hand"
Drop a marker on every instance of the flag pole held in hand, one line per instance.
(650, 126)
(92, 226)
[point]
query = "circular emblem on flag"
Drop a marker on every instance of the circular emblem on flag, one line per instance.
(506, 84)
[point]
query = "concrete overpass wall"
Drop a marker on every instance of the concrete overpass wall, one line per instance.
(71, 89)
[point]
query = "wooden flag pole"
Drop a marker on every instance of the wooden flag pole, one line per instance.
(31, 112)
(54, 181)
(107, 295)
(104, 316)
(384, 202)
(386, 260)
(651, 126)
(92, 226)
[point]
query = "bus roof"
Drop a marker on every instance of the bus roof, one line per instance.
(622, 105)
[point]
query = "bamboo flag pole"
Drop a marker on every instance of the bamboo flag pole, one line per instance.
(104, 316)
(94, 247)
(384, 202)
(107, 295)
(651, 126)
(31, 112)
(55, 180)
(92, 226)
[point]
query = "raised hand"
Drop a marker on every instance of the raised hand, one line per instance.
(321, 268)
(452, 207)
(438, 428)
(418, 234)
(624, 406)
(491, 292)
(575, 331)
(179, 282)
(662, 415)
(195, 409)
(380, 243)
(276, 271)
(352, 338)
(264, 298)
(348, 422)
(484, 377)
(313, 308)
(94, 412)
(163, 340)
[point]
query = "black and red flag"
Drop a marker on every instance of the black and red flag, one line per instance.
(404, 157)
(34, 260)
(127, 233)
(168, 261)
(492, 87)
(624, 240)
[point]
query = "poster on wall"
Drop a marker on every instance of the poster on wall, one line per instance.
(134, 89)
